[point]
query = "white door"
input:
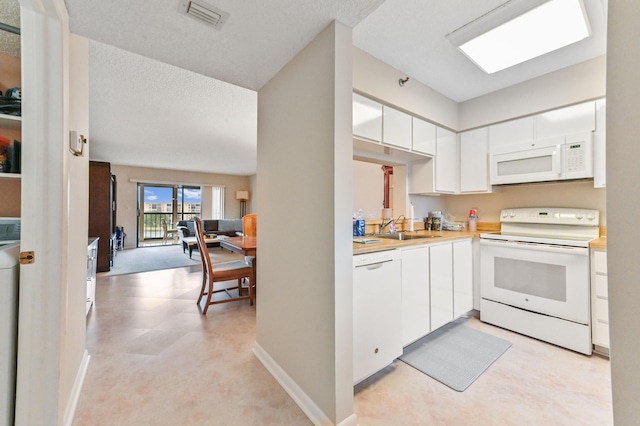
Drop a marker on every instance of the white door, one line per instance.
(474, 161)
(446, 161)
(462, 278)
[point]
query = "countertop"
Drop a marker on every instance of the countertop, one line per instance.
(434, 237)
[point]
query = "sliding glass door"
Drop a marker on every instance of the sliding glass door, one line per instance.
(170, 203)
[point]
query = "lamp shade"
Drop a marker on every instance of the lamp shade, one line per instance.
(242, 195)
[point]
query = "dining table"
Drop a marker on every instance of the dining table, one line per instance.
(246, 246)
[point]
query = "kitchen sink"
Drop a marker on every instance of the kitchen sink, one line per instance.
(404, 236)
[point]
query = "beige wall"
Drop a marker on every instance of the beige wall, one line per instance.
(127, 192)
(368, 185)
(623, 175)
(304, 306)
(73, 311)
(571, 85)
(558, 194)
(375, 79)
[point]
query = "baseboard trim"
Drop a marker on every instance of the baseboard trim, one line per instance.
(312, 411)
(75, 391)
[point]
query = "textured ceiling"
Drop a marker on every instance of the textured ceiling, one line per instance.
(148, 110)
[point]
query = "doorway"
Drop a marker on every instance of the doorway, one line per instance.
(171, 203)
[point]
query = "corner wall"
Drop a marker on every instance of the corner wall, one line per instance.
(305, 302)
(623, 175)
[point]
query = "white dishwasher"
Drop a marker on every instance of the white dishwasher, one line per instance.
(377, 315)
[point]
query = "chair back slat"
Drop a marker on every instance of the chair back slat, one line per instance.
(202, 248)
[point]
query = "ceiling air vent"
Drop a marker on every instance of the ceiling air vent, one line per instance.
(203, 12)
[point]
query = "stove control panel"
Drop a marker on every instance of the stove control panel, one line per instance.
(552, 215)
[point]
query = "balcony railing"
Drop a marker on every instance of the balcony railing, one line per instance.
(153, 223)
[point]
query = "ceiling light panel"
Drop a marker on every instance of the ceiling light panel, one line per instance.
(510, 35)
(203, 12)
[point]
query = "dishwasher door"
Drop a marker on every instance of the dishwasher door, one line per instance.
(377, 316)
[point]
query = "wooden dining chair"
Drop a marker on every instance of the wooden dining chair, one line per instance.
(225, 271)
(250, 225)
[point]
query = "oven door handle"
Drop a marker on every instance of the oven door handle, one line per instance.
(550, 248)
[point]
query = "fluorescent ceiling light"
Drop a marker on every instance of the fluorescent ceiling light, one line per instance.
(511, 34)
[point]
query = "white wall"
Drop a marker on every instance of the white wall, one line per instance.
(623, 175)
(571, 85)
(304, 306)
(127, 193)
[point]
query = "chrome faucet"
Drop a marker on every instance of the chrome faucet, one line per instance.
(391, 221)
(384, 225)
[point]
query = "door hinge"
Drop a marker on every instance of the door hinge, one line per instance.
(27, 257)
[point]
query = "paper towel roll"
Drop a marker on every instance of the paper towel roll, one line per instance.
(411, 214)
(386, 214)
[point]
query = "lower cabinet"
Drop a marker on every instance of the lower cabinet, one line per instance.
(441, 286)
(416, 318)
(599, 300)
(462, 277)
(377, 316)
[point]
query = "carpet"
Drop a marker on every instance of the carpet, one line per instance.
(155, 258)
(454, 354)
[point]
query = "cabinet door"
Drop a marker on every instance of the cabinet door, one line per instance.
(377, 318)
(462, 278)
(422, 177)
(474, 161)
(599, 299)
(600, 146)
(367, 119)
(446, 161)
(396, 128)
(441, 278)
(511, 133)
(566, 121)
(424, 136)
(415, 294)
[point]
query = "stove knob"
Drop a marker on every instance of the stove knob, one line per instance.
(505, 213)
(579, 215)
(512, 214)
(591, 215)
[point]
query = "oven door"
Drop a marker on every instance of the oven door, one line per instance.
(547, 279)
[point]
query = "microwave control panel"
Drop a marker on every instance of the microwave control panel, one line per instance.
(575, 157)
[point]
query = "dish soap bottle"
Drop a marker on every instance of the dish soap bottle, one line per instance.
(473, 215)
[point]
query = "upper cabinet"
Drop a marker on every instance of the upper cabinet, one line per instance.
(367, 119)
(396, 129)
(566, 121)
(446, 161)
(511, 132)
(424, 136)
(474, 161)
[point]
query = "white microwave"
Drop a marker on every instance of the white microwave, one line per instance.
(561, 158)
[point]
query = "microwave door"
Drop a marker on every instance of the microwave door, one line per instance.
(531, 165)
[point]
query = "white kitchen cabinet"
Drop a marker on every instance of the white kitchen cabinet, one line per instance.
(422, 177)
(396, 128)
(600, 146)
(599, 300)
(441, 279)
(474, 161)
(377, 316)
(511, 132)
(446, 166)
(462, 277)
(424, 136)
(579, 118)
(367, 119)
(415, 294)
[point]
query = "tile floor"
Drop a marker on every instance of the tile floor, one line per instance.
(156, 361)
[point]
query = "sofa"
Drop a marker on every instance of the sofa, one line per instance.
(187, 231)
